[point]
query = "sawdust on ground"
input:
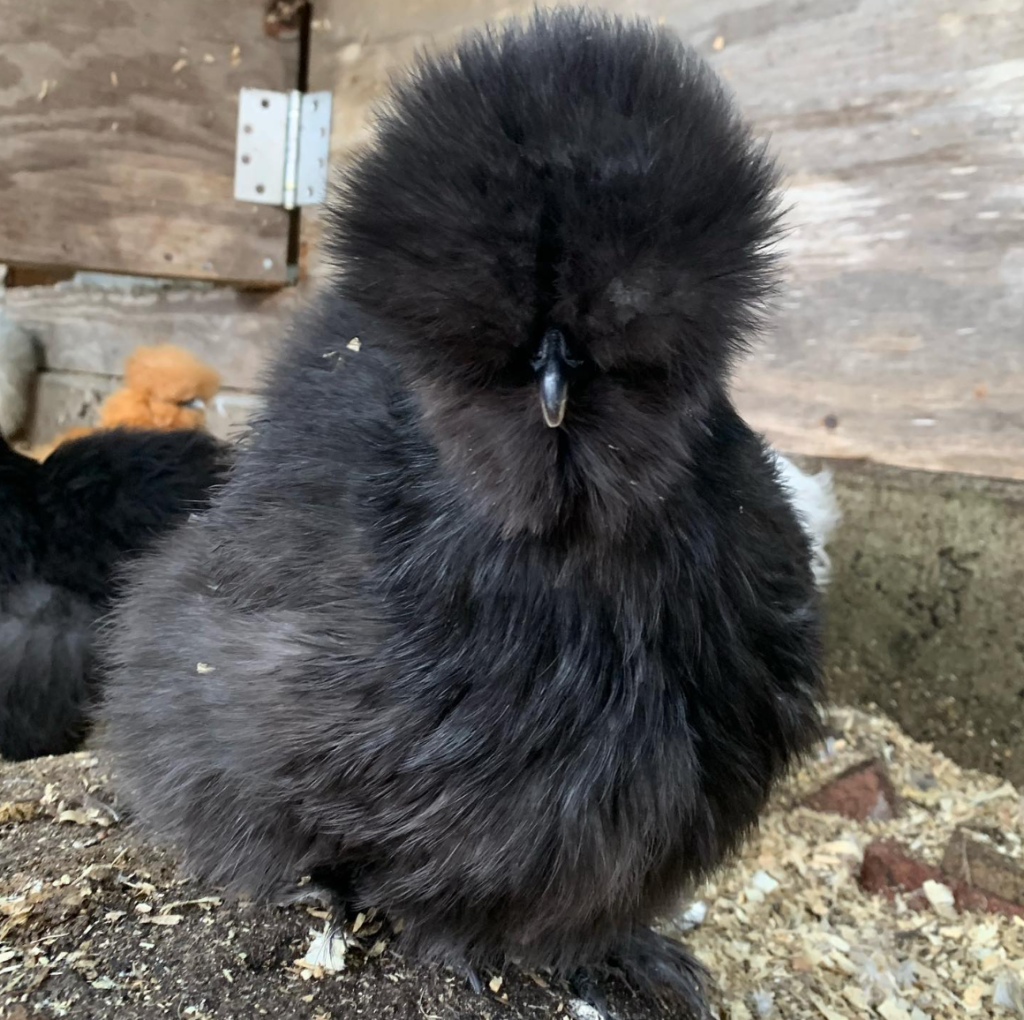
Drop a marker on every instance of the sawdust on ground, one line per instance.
(96, 924)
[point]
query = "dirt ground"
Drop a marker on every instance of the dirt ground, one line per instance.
(97, 925)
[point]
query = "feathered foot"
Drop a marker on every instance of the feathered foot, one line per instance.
(663, 969)
(583, 985)
(337, 885)
(305, 896)
(467, 971)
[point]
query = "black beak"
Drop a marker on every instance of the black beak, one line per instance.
(551, 365)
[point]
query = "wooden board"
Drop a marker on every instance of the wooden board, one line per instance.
(901, 323)
(93, 329)
(900, 125)
(900, 336)
(117, 136)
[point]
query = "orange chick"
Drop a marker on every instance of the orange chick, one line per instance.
(165, 387)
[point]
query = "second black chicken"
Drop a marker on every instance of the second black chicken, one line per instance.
(67, 527)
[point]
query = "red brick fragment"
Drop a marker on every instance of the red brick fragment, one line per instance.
(967, 898)
(890, 868)
(862, 792)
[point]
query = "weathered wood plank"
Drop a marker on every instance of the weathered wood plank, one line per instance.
(901, 324)
(94, 329)
(117, 136)
(900, 125)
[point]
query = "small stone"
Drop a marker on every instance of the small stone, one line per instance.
(18, 811)
(764, 883)
(941, 899)
(693, 916)
(969, 898)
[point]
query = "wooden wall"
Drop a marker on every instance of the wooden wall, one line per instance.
(117, 136)
(899, 336)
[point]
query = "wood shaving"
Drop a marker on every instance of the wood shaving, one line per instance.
(75, 817)
(18, 811)
(203, 902)
(827, 949)
(785, 930)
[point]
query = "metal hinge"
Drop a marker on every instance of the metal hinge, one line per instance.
(284, 138)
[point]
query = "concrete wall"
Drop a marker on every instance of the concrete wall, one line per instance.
(926, 608)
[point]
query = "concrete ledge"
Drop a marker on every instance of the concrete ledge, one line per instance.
(926, 608)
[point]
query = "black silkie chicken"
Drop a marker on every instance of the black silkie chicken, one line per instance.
(66, 527)
(504, 623)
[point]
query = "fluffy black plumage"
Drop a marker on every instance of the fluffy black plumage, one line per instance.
(516, 685)
(66, 527)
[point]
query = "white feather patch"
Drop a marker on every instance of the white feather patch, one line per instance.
(813, 499)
